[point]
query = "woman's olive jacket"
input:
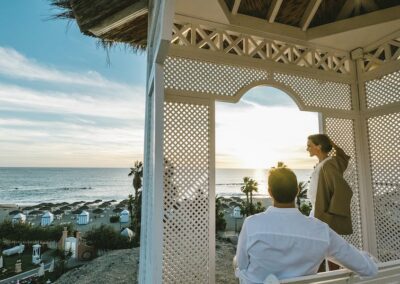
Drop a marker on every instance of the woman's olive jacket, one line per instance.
(332, 204)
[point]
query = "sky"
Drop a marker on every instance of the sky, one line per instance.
(63, 105)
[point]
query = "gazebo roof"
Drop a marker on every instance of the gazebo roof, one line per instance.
(292, 12)
(123, 21)
(126, 21)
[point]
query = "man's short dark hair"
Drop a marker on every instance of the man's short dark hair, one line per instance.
(282, 183)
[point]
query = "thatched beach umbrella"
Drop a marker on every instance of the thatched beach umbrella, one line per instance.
(237, 199)
(233, 204)
(225, 206)
(104, 204)
(113, 200)
(58, 212)
(118, 210)
(66, 208)
(45, 208)
(78, 211)
(14, 212)
(63, 203)
(75, 203)
(98, 211)
(27, 208)
(36, 212)
(84, 207)
(97, 201)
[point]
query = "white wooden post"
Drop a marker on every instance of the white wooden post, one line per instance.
(365, 181)
(150, 267)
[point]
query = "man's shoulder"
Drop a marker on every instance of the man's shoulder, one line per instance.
(256, 217)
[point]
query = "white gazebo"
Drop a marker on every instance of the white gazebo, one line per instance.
(83, 218)
(124, 216)
(340, 59)
(47, 219)
(36, 257)
(19, 218)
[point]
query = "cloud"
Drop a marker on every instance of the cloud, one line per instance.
(258, 136)
(15, 65)
(23, 99)
(66, 118)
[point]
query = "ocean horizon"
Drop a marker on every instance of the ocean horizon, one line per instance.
(33, 185)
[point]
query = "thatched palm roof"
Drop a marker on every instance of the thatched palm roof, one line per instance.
(291, 11)
(126, 21)
(90, 15)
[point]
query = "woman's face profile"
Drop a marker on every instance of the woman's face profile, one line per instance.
(312, 148)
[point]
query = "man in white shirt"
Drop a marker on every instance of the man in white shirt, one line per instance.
(283, 242)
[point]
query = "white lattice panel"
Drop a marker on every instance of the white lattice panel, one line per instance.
(245, 45)
(379, 55)
(210, 78)
(384, 147)
(341, 131)
(186, 193)
(318, 93)
(383, 91)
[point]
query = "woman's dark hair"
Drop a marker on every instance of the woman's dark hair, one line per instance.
(282, 183)
(323, 140)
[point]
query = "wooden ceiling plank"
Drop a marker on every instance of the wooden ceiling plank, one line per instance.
(369, 5)
(309, 14)
(235, 7)
(120, 18)
(346, 10)
(273, 10)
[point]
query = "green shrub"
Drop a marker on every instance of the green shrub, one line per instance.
(114, 219)
(305, 208)
(220, 222)
(26, 232)
(106, 238)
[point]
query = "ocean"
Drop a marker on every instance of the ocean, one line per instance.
(25, 186)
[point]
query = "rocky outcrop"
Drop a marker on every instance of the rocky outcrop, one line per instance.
(121, 266)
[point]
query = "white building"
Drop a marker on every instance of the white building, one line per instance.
(127, 233)
(70, 245)
(47, 219)
(19, 218)
(36, 258)
(124, 216)
(83, 218)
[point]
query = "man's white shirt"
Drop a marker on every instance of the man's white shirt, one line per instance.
(283, 242)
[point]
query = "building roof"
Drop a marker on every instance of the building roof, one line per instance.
(19, 216)
(84, 213)
(112, 21)
(126, 21)
(124, 212)
(47, 214)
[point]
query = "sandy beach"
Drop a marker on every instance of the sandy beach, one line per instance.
(95, 220)
(104, 218)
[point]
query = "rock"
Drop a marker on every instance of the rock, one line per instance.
(121, 266)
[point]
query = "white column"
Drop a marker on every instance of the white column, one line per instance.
(365, 180)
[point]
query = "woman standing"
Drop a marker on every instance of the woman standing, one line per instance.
(329, 192)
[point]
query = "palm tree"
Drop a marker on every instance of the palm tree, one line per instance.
(250, 186)
(281, 165)
(134, 202)
(245, 189)
(302, 193)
